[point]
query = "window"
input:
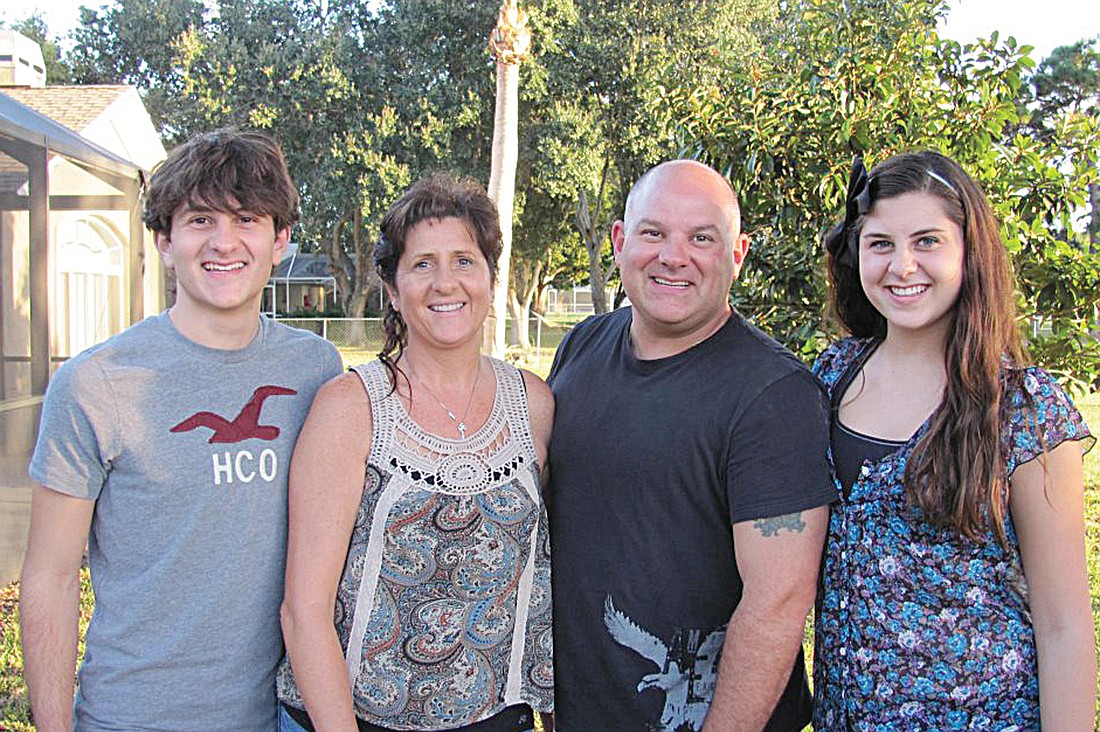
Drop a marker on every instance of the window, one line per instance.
(88, 301)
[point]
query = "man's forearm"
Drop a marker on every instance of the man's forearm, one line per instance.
(757, 657)
(48, 611)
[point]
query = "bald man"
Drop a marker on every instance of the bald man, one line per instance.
(690, 486)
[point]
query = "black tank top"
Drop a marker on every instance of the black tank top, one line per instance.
(852, 449)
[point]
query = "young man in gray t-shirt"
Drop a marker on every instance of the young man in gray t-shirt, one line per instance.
(166, 449)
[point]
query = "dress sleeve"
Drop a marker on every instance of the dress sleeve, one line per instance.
(1041, 417)
(823, 364)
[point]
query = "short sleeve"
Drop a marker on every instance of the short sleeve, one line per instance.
(75, 432)
(561, 355)
(778, 451)
(1041, 417)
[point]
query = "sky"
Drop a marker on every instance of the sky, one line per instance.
(1045, 24)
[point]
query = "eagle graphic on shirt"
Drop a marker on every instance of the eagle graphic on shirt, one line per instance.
(244, 426)
(687, 668)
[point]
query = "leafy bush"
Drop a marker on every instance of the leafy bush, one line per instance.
(873, 77)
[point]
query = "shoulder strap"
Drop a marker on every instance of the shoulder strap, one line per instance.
(513, 401)
(382, 407)
(840, 386)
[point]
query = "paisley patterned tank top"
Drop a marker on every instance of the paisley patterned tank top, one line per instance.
(444, 605)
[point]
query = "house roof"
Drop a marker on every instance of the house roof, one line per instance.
(76, 107)
(21, 122)
(303, 267)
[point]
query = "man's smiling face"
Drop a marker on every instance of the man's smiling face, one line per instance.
(222, 260)
(679, 251)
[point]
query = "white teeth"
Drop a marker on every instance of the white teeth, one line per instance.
(212, 267)
(449, 307)
(908, 291)
(669, 283)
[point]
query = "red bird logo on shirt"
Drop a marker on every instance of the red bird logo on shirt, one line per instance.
(242, 427)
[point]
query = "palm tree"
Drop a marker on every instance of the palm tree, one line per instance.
(509, 44)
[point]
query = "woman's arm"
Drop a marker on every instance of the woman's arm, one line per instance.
(326, 486)
(1047, 506)
(540, 405)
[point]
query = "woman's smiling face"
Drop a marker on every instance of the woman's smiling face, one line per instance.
(912, 261)
(442, 284)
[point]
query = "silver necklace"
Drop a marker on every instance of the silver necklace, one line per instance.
(460, 422)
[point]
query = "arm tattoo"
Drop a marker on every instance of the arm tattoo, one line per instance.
(772, 526)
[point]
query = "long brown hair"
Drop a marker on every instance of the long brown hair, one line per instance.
(956, 474)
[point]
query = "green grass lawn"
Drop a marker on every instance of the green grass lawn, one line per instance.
(14, 710)
(1090, 408)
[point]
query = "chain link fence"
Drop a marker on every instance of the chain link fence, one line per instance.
(358, 334)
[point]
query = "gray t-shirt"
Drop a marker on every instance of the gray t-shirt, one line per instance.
(185, 450)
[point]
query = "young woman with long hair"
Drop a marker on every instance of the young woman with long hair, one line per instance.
(955, 592)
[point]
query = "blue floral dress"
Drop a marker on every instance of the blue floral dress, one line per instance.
(917, 627)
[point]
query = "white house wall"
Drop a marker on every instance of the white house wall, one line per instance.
(125, 129)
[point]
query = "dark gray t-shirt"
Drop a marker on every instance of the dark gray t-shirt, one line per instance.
(651, 463)
(185, 450)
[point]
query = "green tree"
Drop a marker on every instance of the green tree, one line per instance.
(1067, 83)
(874, 77)
(134, 42)
(416, 96)
(547, 251)
(288, 69)
(606, 118)
(1068, 80)
(368, 95)
(364, 96)
(435, 71)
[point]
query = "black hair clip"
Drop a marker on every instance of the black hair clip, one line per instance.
(839, 241)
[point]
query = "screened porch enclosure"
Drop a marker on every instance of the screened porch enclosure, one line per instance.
(71, 274)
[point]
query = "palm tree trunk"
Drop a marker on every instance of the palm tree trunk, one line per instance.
(502, 189)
